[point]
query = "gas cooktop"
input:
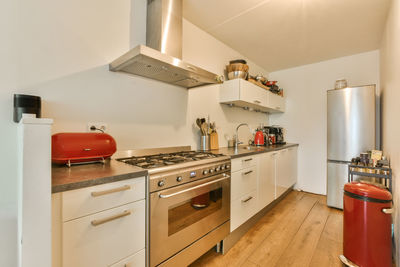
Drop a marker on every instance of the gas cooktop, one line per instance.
(168, 159)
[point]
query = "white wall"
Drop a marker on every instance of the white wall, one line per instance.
(8, 156)
(390, 93)
(64, 48)
(305, 117)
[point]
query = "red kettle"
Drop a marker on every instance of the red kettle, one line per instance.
(259, 138)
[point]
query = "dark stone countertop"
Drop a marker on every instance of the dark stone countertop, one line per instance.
(242, 151)
(80, 176)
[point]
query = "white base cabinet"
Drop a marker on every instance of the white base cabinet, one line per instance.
(86, 244)
(286, 170)
(266, 179)
(258, 180)
(243, 190)
(135, 260)
(102, 225)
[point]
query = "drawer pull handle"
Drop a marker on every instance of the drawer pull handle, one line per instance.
(246, 173)
(111, 218)
(110, 191)
(247, 160)
(247, 199)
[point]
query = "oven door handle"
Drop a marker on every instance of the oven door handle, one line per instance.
(194, 187)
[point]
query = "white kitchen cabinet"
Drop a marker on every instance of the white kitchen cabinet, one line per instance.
(136, 260)
(266, 179)
(243, 162)
(243, 209)
(257, 180)
(244, 177)
(243, 181)
(87, 244)
(286, 170)
(281, 173)
(80, 202)
(246, 94)
(102, 225)
(276, 103)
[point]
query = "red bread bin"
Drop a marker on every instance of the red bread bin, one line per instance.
(367, 225)
(70, 148)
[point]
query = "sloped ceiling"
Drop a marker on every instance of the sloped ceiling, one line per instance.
(280, 34)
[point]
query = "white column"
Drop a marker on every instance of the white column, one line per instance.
(34, 192)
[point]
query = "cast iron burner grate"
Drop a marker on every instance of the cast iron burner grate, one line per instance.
(167, 159)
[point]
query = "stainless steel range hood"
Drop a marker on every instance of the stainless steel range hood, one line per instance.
(160, 59)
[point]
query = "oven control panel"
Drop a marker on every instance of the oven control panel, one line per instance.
(182, 176)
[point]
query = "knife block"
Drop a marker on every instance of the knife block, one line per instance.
(214, 141)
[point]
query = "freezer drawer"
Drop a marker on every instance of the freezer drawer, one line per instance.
(337, 177)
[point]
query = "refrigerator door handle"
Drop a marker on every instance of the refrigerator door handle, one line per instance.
(338, 161)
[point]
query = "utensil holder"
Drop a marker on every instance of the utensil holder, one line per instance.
(205, 142)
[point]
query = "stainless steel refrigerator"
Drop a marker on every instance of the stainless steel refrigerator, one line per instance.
(351, 130)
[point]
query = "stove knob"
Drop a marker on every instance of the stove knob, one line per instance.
(179, 179)
(161, 183)
(205, 172)
(222, 167)
(211, 170)
(228, 166)
(217, 169)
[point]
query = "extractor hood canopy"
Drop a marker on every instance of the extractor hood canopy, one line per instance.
(160, 59)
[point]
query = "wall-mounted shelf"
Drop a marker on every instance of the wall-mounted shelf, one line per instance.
(241, 93)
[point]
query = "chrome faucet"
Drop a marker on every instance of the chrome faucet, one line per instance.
(237, 137)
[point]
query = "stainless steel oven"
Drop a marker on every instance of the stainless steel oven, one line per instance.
(182, 215)
(188, 202)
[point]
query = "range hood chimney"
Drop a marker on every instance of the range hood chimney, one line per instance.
(161, 58)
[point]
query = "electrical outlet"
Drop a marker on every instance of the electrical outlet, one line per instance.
(96, 127)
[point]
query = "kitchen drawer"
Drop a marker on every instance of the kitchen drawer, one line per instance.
(243, 182)
(85, 244)
(136, 260)
(242, 163)
(243, 209)
(89, 200)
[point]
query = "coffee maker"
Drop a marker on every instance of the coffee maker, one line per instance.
(275, 134)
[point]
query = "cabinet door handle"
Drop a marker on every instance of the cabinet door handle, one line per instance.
(388, 211)
(247, 199)
(257, 101)
(111, 218)
(246, 173)
(247, 160)
(110, 191)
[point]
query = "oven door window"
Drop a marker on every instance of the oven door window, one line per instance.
(194, 209)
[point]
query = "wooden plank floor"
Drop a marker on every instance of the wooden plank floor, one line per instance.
(299, 231)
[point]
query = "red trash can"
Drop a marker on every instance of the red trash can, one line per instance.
(367, 225)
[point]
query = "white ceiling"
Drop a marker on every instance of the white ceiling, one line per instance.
(279, 34)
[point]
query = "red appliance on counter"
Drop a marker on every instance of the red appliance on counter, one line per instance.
(69, 148)
(259, 138)
(367, 225)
